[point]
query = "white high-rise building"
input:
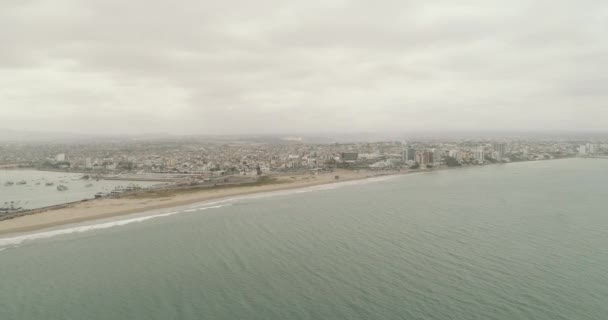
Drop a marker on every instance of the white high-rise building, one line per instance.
(478, 154)
(582, 149)
(60, 157)
(456, 154)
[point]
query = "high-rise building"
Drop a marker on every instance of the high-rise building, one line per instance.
(411, 154)
(478, 154)
(424, 157)
(456, 154)
(437, 155)
(500, 149)
(408, 154)
(60, 157)
(582, 149)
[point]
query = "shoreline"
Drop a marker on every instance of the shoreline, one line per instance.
(99, 209)
(114, 207)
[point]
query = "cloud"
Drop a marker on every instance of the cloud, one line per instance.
(307, 66)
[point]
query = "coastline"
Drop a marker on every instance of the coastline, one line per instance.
(99, 209)
(113, 207)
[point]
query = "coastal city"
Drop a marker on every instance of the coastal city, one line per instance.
(203, 164)
(174, 160)
(291, 160)
(181, 161)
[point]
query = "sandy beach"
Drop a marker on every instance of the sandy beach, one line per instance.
(111, 207)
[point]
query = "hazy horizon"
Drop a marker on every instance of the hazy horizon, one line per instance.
(271, 67)
(322, 137)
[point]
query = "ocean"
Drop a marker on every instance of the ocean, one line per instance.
(36, 194)
(517, 241)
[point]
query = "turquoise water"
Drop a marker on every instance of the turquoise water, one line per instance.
(520, 241)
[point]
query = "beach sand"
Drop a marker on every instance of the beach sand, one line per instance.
(111, 207)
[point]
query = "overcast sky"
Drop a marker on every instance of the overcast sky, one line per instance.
(192, 66)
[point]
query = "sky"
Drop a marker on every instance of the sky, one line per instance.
(276, 66)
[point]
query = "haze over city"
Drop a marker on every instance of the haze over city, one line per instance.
(127, 67)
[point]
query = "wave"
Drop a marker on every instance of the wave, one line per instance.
(80, 229)
(321, 187)
(204, 205)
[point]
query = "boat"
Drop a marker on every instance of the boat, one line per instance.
(132, 187)
(62, 187)
(21, 182)
(117, 191)
(10, 207)
(88, 185)
(9, 183)
(48, 184)
(99, 195)
(37, 183)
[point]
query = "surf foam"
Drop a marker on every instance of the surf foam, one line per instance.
(80, 229)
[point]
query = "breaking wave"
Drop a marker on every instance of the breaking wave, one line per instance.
(105, 225)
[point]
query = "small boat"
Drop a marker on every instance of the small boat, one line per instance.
(62, 187)
(48, 184)
(37, 183)
(9, 183)
(99, 195)
(11, 207)
(21, 182)
(88, 185)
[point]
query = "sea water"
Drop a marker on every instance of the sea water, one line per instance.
(517, 241)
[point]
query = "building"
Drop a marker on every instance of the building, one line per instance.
(582, 149)
(478, 155)
(438, 155)
(406, 155)
(456, 154)
(424, 157)
(349, 156)
(411, 154)
(60, 157)
(500, 150)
